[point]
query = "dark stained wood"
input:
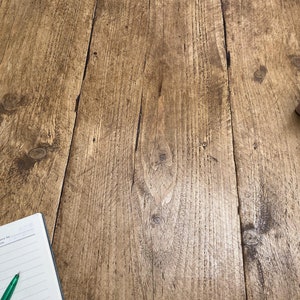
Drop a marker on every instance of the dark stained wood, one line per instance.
(263, 40)
(149, 207)
(43, 47)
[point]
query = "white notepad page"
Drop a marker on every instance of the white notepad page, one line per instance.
(24, 249)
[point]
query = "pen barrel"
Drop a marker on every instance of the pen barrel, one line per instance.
(10, 289)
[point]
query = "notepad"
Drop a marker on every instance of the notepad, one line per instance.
(25, 249)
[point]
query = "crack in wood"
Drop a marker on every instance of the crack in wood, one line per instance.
(138, 129)
(228, 60)
(160, 87)
(90, 40)
(77, 103)
(228, 63)
(225, 35)
(139, 124)
(144, 65)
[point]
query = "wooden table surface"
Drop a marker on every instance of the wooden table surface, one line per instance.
(159, 140)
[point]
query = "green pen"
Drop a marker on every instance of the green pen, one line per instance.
(11, 287)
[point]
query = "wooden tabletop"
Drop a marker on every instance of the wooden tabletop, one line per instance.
(159, 139)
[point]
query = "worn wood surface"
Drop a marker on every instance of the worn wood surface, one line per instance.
(155, 186)
(149, 208)
(43, 48)
(263, 39)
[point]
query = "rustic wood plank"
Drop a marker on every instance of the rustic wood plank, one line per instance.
(149, 208)
(263, 40)
(43, 47)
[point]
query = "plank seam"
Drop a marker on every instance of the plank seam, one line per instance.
(76, 114)
(228, 62)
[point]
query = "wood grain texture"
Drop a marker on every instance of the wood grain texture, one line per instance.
(149, 207)
(263, 39)
(43, 47)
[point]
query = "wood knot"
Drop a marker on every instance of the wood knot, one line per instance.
(295, 60)
(11, 101)
(260, 74)
(156, 219)
(251, 237)
(25, 163)
(162, 157)
(37, 153)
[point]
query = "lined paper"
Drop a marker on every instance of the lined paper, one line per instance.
(24, 249)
